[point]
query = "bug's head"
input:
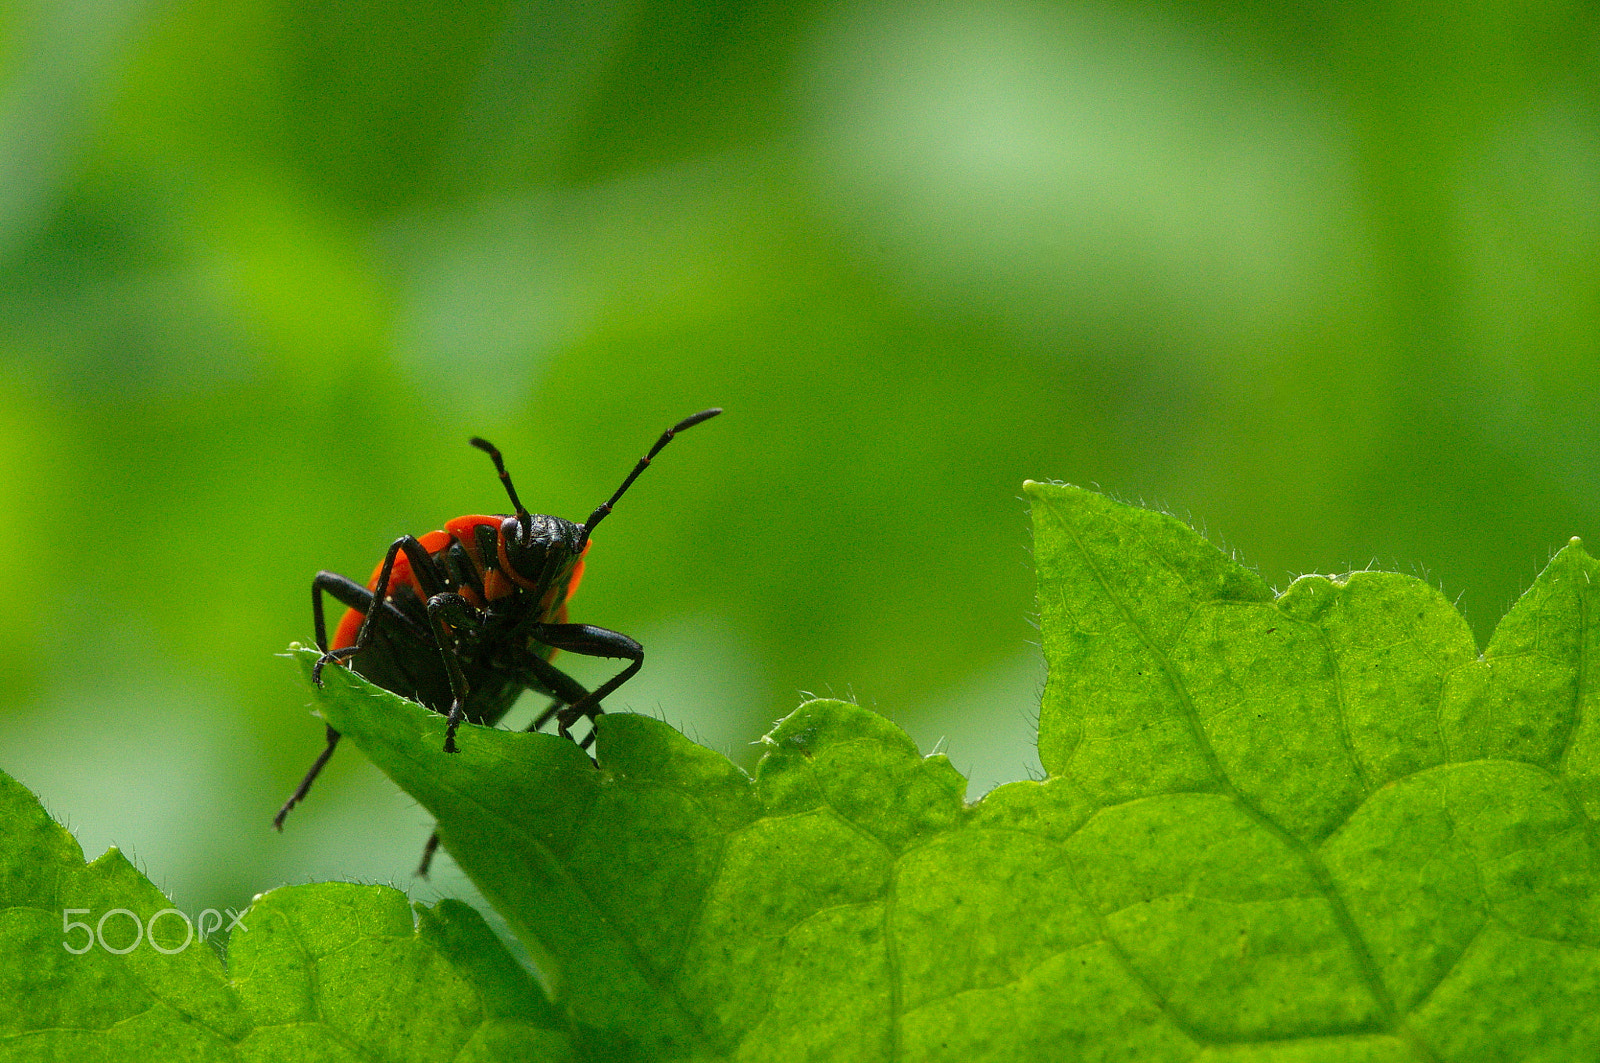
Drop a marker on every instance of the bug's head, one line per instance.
(535, 547)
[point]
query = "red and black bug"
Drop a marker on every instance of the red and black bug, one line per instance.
(465, 618)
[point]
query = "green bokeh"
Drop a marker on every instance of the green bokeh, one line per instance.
(1322, 278)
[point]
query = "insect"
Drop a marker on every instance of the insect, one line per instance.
(464, 618)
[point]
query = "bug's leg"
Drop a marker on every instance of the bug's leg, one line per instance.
(305, 784)
(567, 691)
(427, 854)
(377, 603)
(544, 717)
(352, 594)
(343, 589)
(376, 598)
(348, 592)
(591, 641)
(355, 596)
(455, 611)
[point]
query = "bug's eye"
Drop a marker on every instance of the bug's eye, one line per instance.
(523, 557)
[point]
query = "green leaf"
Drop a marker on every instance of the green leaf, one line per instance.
(322, 972)
(1315, 826)
(1325, 815)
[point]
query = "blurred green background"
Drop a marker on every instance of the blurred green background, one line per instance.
(1323, 278)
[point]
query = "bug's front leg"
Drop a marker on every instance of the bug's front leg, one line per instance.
(591, 641)
(446, 611)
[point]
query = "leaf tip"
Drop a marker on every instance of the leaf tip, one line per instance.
(1573, 549)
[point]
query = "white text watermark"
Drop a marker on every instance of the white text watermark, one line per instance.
(209, 923)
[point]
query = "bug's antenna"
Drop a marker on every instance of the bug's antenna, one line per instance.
(644, 463)
(500, 467)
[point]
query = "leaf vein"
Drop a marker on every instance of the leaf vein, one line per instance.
(1309, 859)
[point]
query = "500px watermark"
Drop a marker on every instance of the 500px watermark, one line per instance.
(210, 922)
